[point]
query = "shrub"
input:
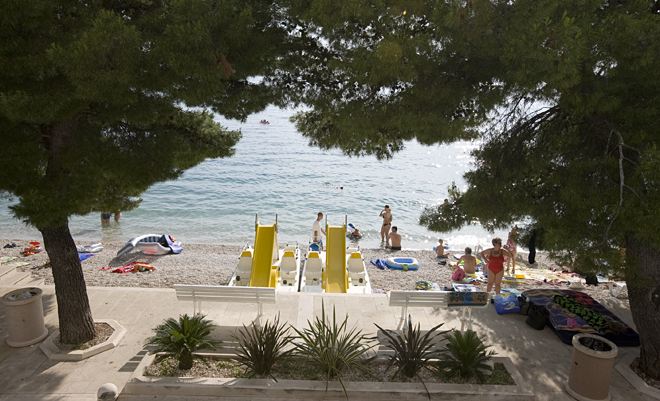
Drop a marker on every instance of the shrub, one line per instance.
(261, 347)
(332, 347)
(466, 356)
(180, 338)
(412, 349)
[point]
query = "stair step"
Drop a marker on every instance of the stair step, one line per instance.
(10, 267)
(12, 278)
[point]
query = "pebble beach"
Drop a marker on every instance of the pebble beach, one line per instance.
(214, 265)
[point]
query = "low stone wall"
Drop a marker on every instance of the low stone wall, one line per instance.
(141, 387)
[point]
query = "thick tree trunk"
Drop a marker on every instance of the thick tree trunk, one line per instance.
(643, 281)
(76, 323)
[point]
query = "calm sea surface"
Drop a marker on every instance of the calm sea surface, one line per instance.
(274, 171)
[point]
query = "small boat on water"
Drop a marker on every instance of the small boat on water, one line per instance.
(152, 244)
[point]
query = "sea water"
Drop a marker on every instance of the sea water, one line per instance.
(274, 172)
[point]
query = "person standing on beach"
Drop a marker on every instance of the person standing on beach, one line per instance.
(317, 230)
(386, 214)
(395, 237)
(494, 258)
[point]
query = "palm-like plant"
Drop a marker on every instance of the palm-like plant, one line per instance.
(413, 350)
(260, 347)
(180, 338)
(332, 347)
(467, 356)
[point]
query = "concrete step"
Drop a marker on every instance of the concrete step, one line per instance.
(14, 277)
(31, 281)
(10, 267)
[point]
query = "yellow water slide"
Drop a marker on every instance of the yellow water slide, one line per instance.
(265, 254)
(336, 278)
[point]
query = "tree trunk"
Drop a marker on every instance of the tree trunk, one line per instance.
(76, 323)
(643, 281)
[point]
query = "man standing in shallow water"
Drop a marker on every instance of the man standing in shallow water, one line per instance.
(386, 214)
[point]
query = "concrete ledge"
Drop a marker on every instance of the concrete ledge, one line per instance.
(54, 353)
(623, 367)
(141, 387)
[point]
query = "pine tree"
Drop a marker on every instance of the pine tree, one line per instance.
(562, 96)
(101, 99)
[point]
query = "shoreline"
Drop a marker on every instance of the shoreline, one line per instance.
(214, 265)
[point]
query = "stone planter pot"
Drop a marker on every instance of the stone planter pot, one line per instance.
(591, 370)
(25, 317)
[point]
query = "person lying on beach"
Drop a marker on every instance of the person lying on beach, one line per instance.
(395, 239)
(469, 261)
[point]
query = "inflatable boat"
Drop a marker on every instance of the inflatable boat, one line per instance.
(404, 264)
(152, 244)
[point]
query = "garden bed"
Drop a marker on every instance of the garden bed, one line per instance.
(359, 387)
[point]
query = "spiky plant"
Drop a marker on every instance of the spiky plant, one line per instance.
(180, 338)
(332, 347)
(261, 347)
(466, 356)
(413, 350)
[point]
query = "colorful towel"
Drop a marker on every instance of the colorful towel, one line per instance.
(379, 263)
(133, 267)
(84, 256)
(573, 312)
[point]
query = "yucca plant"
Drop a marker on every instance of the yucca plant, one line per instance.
(180, 338)
(413, 350)
(332, 347)
(466, 356)
(261, 347)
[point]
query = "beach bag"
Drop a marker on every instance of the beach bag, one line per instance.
(458, 274)
(537, 316)
(506, 303)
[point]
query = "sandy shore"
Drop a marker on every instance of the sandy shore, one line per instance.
(214, 265)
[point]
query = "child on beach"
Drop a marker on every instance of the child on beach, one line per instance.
(469, 261)
(440, 249)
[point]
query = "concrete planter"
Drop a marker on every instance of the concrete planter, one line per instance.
(591, 370)
(141, 387)
(25, 317)
(623, 367)
(53, 352)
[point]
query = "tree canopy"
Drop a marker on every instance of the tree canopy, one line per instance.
(101, 99)
(562, 97)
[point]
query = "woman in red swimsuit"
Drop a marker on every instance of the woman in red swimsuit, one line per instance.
(494, 258)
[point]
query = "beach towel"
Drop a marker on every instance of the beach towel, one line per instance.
(133, 267)
(569, 311)
(379, 263)
(84, 256)
(506, 303)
